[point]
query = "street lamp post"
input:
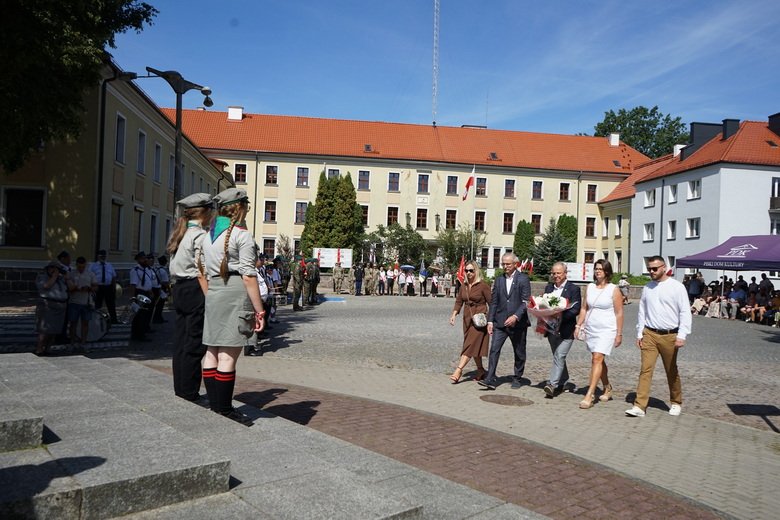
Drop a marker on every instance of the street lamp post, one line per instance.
(180, 86)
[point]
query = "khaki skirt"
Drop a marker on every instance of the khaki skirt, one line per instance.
(227, 309)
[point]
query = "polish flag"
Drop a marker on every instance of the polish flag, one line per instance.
(531, 266)
(470, 182)
(462, 269)
(523, 264)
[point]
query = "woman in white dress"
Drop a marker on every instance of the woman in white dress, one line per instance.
(601, 317)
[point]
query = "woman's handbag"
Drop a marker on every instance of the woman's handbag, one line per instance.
(479, 320)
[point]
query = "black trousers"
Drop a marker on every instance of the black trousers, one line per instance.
(141, 320)
(107, 293)
(189, 303)
(517, 336)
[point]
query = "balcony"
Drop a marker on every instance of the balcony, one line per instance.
(774, 204)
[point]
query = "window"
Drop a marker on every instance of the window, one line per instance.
(392, 216)
(22, 220)
(297, 246)
(776, 186)
(153, 233)
(393, 181)
(618, 226)
(270, 211)
(774, 226)
(271, 174)
(496, 257)
(452, 184)
(269, 247)
(694, 189)
(591, 193)
(422, 218)
(302, 177)
(171, 172)
(649, 233)
(671, 259)
(672, 193)
(590, 227)
(364, 211)
(333, 173)
(509, 188)
(605, 255)
(536, 222)
(422, 182)
(509, 223)
(300, 212)
(239, 174)
(590, 257)
(650, 198)
(483, 258)
(116, 226)
(693, 228)
(619, 261)
(479, 220)
(563, 192)
(536, 190)
(481, 186)
(138, 220)
(605, 228)
(119, 144)
(141, 159)
(451, 219)
(363, 179)
(671, 230)
(157, 162)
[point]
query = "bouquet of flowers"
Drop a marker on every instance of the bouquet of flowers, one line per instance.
(545, 307)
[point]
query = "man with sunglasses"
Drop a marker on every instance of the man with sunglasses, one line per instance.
(663, 325)
(508, 318)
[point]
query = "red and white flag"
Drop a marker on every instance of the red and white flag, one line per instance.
(470, 182)
(531, 266)
(461, 275)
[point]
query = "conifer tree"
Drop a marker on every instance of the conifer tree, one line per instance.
(553, 247)
(525, 238)
(567, 225)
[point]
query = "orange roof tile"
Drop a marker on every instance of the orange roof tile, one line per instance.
(748, 145)
(626, 189)
(345, 138)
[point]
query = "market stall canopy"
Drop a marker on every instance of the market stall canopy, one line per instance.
(746, 253)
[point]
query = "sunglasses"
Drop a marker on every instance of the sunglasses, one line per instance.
(654, 269)
(469, 270)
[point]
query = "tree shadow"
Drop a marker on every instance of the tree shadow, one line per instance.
(300, 412)
(260, 399)
(760, 410)
(651, 403)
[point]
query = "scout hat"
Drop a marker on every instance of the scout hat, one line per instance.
(196, 200)
(230, 196)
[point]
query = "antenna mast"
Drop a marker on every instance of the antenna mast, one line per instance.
(435, 57)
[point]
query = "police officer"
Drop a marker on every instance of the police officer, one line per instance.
(141, 282)
(106, 278)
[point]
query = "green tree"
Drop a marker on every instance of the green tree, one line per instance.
(348, 216)
(335, 219)
(645, 129)
(525, 238)
(309, 231)
(51, 53)
(455, 243)
(567, 226)
(553, 247)
(405, 242)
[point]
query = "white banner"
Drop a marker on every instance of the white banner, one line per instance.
(328, 256)
(577, 272)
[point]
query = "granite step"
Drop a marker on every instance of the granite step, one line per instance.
(101, 457)
(21, 427)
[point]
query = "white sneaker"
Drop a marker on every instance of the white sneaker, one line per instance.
(675, 409)
(635, 411)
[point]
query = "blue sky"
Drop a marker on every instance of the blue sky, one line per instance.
(542, 66)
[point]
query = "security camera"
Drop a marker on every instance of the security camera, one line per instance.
(206, 91)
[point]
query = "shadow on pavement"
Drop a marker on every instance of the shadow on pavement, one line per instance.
(760, 410)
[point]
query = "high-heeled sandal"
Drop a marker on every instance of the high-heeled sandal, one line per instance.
(588, 402)
(455, 377)
(480, 374)
(607, 394)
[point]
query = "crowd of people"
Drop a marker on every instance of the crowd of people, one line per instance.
(727, 299)
(371, 279)
(493, 315)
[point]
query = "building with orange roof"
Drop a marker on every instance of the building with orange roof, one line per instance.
(415, 174)
(726, 182)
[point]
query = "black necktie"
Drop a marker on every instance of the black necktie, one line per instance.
(103, 265)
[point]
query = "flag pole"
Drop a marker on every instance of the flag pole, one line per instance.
(473, 209)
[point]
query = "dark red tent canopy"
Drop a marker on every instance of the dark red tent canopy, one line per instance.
(747, 253)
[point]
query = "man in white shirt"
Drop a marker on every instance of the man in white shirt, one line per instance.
(106, 278)
(663, 325)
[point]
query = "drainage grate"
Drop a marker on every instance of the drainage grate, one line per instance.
(506, 400)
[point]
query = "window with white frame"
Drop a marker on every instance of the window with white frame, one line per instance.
(157, 162)
(141, 159)
(119, 143)
(452, 185)
(481, 190)
(115, 238)
(271, 174)
(649, 233)
(592, 192)
(138, 223)
(22, 221)
(393, 181)
(422, 182)
(694, 189)
(618, 226)
(671, 230)
(333, 173)
(269, 215)
(536, 222)
(590, 227)
(672, 193)
(392, 215)
(509, 188)
(479, 220)
(239, 174)
(605, 227)
(364, 212)
(509, 223)
(650, 198)
(302, 177)
(363, 180)
(422, 218)
(693, 227)
(536, 190)
(775, 186)
(300, 212)
(451, 219)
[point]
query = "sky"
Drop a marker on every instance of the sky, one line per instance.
(550, 66)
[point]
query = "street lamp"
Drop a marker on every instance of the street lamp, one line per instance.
(180, 86)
